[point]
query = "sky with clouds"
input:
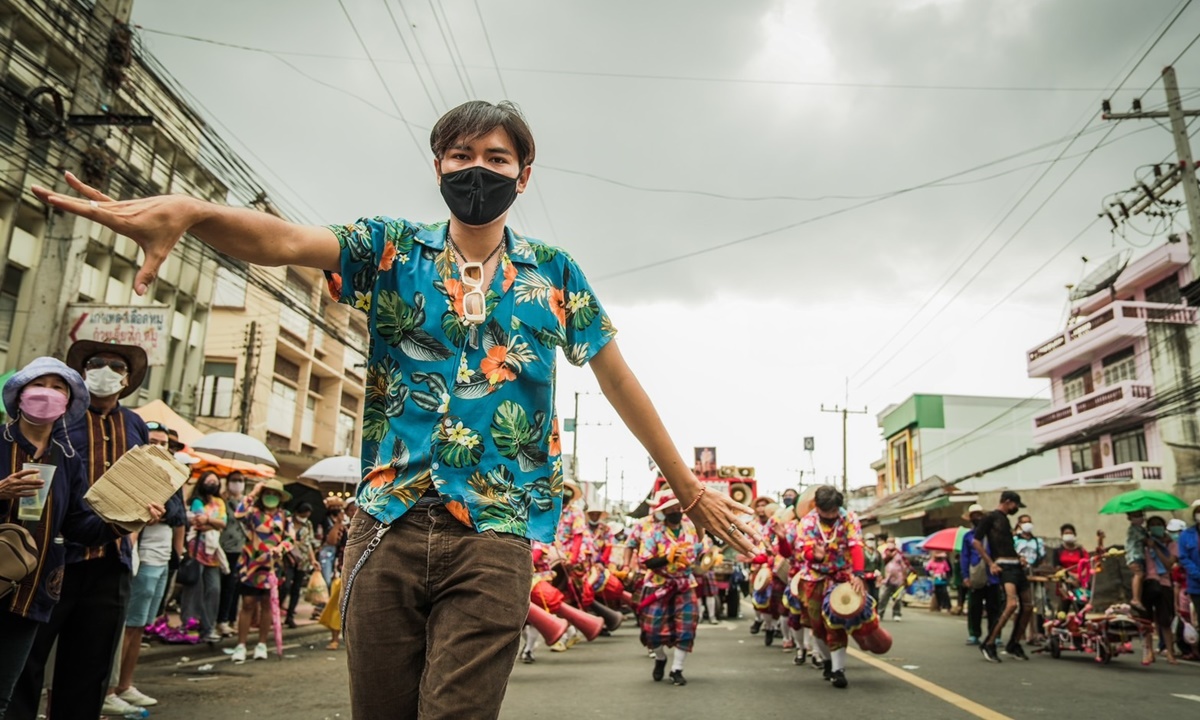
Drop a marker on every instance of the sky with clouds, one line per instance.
(781, 204)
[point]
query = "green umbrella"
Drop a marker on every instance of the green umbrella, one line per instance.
(1143, 500)
(3, 379)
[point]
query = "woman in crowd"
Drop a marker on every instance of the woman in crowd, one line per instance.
(267, 540)
(233, 539)
(42, 398)
(300, 562)
(208, 515)
(1158, 592)
(938, 568)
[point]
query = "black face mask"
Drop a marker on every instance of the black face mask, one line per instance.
(673, 518)
(208, 490)
(477, 196)
(789, 501)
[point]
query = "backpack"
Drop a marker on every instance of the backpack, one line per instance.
(18, 556)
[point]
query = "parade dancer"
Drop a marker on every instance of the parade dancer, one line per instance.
(706, 579)
(831, 548)
(768, 598)
(669, 613)
(797, 623)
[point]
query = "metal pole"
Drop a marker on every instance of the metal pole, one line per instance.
(1187, 167)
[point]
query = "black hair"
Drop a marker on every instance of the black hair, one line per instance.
(477, 118)
(303, 508)
(1066, 527)
(828, 498)
(1155, 520)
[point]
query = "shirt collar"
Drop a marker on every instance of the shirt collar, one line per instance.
(517, 246)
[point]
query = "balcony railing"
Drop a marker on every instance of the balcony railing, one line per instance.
(1103, 327)
(1091, 409)
(1127, 472)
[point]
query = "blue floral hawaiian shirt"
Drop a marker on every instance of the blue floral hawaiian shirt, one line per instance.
(466, 409)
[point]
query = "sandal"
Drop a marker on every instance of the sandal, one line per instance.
(333, 645)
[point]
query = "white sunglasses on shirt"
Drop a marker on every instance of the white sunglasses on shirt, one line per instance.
(474, 301)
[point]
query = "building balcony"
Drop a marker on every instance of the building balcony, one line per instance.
(1112, 401)
(1127, 472)
(1095, 335)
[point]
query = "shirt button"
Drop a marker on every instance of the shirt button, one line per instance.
(105, 438)
(435, 466)
(107, 463)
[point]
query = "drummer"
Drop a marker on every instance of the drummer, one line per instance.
(669, 614)
(768, 589)
(830, 546)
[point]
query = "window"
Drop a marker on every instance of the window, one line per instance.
(1120, 367)
(1129, 447)
(900, 461)
(10, 291)
(216, 389)
(1077, 384)
(309, 421)
(346, 424)
(281, 412)
(1085, 456)
(1166, 291)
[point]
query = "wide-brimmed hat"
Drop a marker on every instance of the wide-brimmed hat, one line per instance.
(575, 490)
(38, 367)
(974, 508)
(666, 500)
(276, 486)
(598, 511)
(761, 500)
(135, 357)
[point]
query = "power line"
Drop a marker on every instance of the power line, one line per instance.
(417, 70)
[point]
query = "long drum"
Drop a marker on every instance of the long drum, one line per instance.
(844, 602)
(797, 590)
(762, 579)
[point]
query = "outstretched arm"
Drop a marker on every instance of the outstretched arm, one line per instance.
(714, 512)
(157, 223)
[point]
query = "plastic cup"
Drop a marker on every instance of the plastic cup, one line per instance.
(30, 508)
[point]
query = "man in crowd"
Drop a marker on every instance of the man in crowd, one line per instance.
(466, 318)
(994, 542)
(89, 619)
(983, 587)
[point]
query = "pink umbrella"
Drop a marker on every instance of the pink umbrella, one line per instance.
(276, 620)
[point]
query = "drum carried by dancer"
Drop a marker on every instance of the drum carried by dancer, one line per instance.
(830, 546)
(668, 610)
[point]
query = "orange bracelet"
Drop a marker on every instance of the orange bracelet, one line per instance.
(695, 500)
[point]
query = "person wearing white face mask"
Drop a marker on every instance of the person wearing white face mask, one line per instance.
(89, 620)
(1032, 551)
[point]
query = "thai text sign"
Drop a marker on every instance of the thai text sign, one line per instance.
(145, 326)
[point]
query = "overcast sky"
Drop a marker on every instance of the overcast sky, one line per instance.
(668, 129)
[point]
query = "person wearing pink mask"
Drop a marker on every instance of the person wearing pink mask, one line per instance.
(42, 399)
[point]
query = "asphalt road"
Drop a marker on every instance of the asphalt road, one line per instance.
(928, 674)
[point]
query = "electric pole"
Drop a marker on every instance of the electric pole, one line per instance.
(248, 378)
(1183, 151)
(846, 413)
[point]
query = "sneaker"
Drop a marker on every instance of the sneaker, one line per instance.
(659, 667)
(677, 678)
(827, 666)
(527, 657)
(714, 621)
(290, 623)
(817, 664)
(213, 637)
(239, 654)
(895, 618)
(838, 679)
(133, 696)
(1017, 651)
(559, 646)
(768, 638)
(225, 629)
(801, 657)
(989, 653)
(755, 627)
(972, 640)
(260, 651)
(789, 644)
(114, 705)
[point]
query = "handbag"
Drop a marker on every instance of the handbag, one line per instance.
(189, 569)
(978, 575)
(18, 556)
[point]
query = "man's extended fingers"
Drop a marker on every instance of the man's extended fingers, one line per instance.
(76, 206)
(86, 190)
(148, 273)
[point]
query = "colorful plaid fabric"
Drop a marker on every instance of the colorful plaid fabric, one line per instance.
(672, 621)
(814, 596)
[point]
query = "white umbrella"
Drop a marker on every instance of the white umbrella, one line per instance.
(235, 446)
(344, 470)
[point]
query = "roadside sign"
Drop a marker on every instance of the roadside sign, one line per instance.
(141, 325)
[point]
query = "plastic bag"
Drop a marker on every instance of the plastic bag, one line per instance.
(317, 592)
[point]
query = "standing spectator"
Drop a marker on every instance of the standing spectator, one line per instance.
(895, 576)
(872, 565)
(938, 568)
(958, 586)
(42, 400)
(300, 561)
(983, 587)
(1032, 551)
(1135, 555)
(1159, 593)
(1189, 559)
(267, 541)
(88, 621)
(155, 543)
(333, 530)
(208, 515)
(233, 539)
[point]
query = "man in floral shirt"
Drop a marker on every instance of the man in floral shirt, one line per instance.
(461, 455)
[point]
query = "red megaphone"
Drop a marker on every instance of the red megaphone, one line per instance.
(552, 628)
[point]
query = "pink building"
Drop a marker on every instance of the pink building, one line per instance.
(1116, 374)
